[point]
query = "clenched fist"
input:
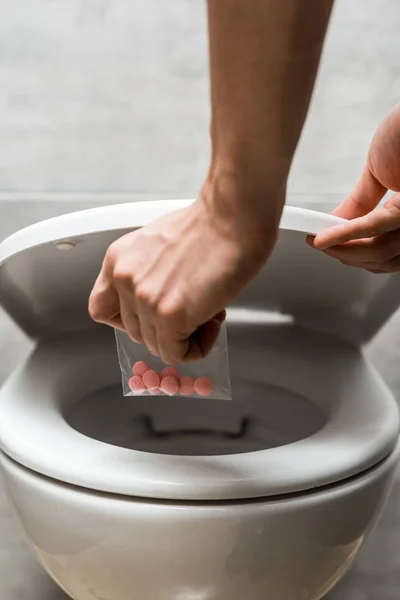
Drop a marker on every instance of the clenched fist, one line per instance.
(168, 284)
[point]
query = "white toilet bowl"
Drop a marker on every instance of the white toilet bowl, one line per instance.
(267, 496)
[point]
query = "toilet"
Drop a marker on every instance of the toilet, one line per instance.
(268, 496)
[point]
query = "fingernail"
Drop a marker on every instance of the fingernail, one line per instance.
(310, 241)
(316, 244)
(320, 246)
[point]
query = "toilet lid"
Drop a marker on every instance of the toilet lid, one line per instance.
(47, 271)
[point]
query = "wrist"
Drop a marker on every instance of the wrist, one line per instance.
(244, 195)
(239, 210)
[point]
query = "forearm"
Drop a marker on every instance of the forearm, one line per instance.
(264, 57)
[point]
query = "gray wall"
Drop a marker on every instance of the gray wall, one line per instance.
(111, 96)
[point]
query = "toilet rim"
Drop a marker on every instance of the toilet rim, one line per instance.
(361, 431)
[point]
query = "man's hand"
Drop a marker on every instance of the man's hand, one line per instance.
(371, 238)
(167, 284)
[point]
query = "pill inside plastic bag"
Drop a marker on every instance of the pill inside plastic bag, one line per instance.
(146, 375)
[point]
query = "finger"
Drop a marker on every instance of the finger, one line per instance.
(147, 327)
(365, 196)
(390, 266)
(172, 351)
(381, 220)
(221, 316)
(190, 348)
(310, 240)
(130, 320)
(202, 340)
(393, 202)
(103, 302)
(378, 249)
(128, 310)
(116, 322)
(149, 334)
(384, 268)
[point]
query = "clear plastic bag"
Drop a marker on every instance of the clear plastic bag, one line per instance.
(146, 375)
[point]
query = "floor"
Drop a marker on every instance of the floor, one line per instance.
(106, 102)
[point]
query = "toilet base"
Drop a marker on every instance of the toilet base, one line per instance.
(105, 547)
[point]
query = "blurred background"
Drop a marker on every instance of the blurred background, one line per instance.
(105, 101)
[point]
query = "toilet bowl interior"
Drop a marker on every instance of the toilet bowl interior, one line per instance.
(264, 412)
(255, 420)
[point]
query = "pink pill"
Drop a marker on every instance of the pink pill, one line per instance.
(186, 386)
(203, 386)
(136, 384)
(151, 379)
(170, 372)
(155, 391)
(169, 385)
(140, 368)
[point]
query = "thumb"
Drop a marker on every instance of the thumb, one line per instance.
(189, 349)
(365, 196)
(202, 340)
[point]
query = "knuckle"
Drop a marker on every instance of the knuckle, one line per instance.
(147, 296)
(122, 274)
(370, 229)
(170, 310)
(143, 293)
(393, 204)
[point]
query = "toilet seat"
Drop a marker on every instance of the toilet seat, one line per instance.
(44, 287)
(361, 428)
